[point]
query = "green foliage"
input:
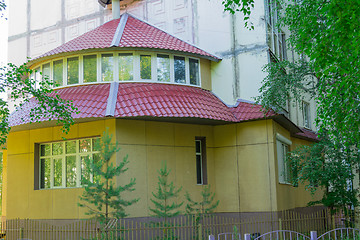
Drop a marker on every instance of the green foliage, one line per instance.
(325, 33)
(205, 206)
(328, 167)
(199, 209)
(243, 6)
(2, 7)
(165, 196)
(15, 80)
(103, 198)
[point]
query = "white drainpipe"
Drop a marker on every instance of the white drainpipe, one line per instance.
(116, 9)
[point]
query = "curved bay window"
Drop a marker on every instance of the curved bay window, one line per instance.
(116, 66)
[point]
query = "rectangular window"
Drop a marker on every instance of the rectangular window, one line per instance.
(62, 164)
(194, 72)
(46, 72)
(179, 68)
(58, 72)
(72, 70)
(126, 66)
(90, 66)
(107, 67)
(306, 114)
(145, 67)
(201, 167)
(163, 68)
(283, 165)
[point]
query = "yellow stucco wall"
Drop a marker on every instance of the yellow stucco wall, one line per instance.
(205, 68)
(25, 202)
(241, 166)
(4, 184)
(289, 196)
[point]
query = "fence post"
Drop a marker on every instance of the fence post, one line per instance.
(200, 231)
(211, 237)
(247, 236)
(313, 235)
(21, 233)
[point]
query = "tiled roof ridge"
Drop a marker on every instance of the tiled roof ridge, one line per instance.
(119, 30)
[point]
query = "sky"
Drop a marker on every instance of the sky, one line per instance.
(3, 38)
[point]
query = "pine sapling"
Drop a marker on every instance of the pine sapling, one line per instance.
(164, 200)
(102, 197)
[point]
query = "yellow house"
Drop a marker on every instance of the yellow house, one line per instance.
(153, 92)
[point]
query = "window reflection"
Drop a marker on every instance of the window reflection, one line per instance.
(107, 67)
(145, 66)
(163, 68)
(72, 70)
(194, 71)
(126, 66)
(179, 68)
(90, 66)
(58, 72)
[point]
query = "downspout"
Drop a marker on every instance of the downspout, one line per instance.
(236, 83)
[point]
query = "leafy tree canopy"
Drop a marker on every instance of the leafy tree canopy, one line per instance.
(325, 34)
(16, 80)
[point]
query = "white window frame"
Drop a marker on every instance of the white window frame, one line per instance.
(306, 114)
(282, 147)
(276, 37)
(63, 156)
(136, 67)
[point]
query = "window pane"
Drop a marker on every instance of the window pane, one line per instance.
(70, 147)
(45, 150)
(72, 70)
(85, 169)
(198, 146)
(198, 169)
(163, 68)
(45, 173)
(71, 171)
(57, 172)
(46, 71)
(37, 75)
(58, 72)
(125, 66)
(96, 144)
(107, 67)
(194, 72)
(85, 145)
(179, 67)
(145, 67)
(57, 148)
(96, 159)
(90, 66)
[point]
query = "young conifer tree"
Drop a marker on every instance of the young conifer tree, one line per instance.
(205, 206)
(199, 209)
(164, 198)
(102, 197)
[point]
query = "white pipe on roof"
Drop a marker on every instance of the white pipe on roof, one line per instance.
(116, 9)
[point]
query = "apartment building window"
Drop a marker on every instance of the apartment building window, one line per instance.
(201, 168)
(282, 146)
(63, 165)
(306, 114)
(276, 39)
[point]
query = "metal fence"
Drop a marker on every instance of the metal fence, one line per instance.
(182, 227)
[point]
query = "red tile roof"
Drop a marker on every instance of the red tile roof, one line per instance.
(307, 134)
(167, 100)
(136, 34)
(148, 100)
(245, 111)
(91, 101)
